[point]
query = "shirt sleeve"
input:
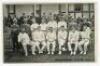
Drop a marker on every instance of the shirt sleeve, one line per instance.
(77, 36)
(69, 37)
(55, 35)
(27, 37)
(65, 35)
(19, 37)
(31, 27)
(65, 25)
(47, 35)
(88, 32)
(56, 25)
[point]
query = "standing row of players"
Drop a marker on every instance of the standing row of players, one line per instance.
(49, 34)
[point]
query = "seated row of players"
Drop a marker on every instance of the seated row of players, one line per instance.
(47, 34)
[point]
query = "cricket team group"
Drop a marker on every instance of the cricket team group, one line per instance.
(51, 33)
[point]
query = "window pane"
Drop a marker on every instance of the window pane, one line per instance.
(11, 9)
(85, 7)
(63, 8)
(91, 7)
(78, 7)
(71, 7)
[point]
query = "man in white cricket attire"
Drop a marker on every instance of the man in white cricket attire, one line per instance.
(24, 39)
(34, 25)
(51, 40)
(37, 39)
(43, 26)
(73, 39)
(85, 39)
(62, 35)
(62, 23)
(73, 22)
(52, 23)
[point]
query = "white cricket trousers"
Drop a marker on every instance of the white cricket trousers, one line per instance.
(70, 45)
(25, 47)
(85, 43)
(53, 43)
(61, 43)
(36, 44)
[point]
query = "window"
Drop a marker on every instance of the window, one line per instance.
(85, 7)
(11, 9)
(71, 7)
(78, 7)
(91, 7)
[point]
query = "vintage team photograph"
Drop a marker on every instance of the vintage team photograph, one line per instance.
(49, 32)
